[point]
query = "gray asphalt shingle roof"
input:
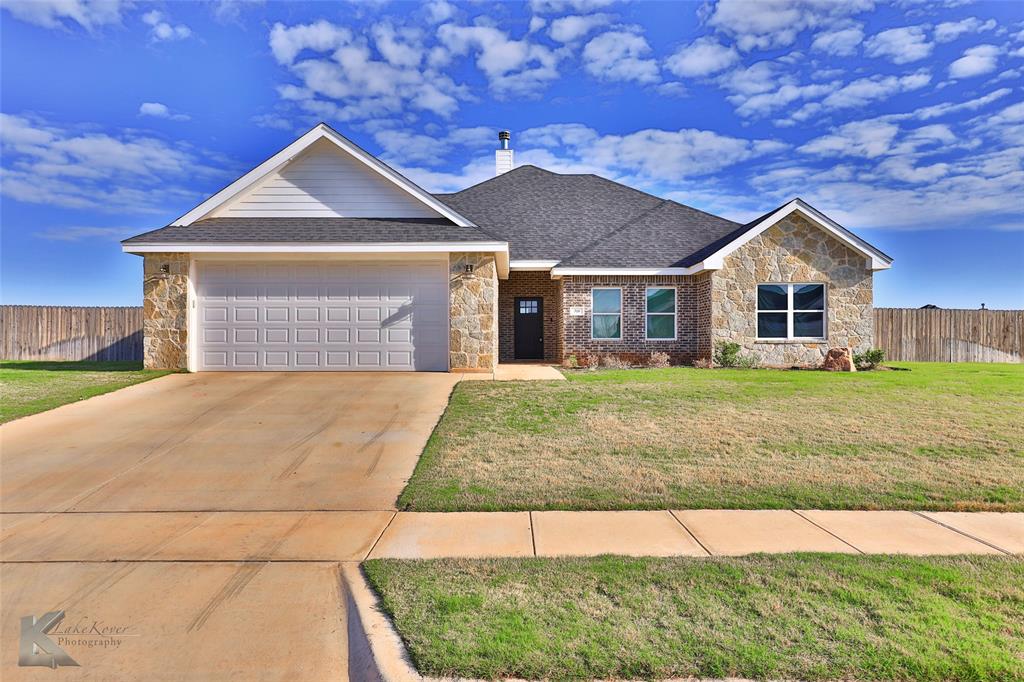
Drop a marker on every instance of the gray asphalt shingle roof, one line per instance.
(214, 230)
(580, 220)
(549, 216)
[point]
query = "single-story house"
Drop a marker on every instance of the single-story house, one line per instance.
(325, 258)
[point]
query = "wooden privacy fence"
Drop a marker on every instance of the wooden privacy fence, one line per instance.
(939, 335)
(31, 332)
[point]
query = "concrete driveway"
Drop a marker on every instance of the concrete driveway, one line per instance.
(203, 519)
(226, 442)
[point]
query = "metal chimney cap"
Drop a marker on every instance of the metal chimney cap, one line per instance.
(504, 135)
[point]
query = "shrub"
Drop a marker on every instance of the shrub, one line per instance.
(703, 363)
(613, 362)
(727, 354)
(572, 362)
(869, 359)
(659, 360)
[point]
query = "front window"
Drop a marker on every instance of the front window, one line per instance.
(606, 313)
(661, 313)
(790, 311)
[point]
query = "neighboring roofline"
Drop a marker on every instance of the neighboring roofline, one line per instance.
(316, 133)
(879, 260)
(500, 249)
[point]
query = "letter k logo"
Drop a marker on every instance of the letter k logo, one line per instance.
(35, 648)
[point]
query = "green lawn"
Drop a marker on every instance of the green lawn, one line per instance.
(797, 616)
(30, 387)
(936, 437)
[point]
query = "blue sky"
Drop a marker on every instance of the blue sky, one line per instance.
(904, 122)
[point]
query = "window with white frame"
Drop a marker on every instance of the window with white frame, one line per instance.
(661, 313)
(606, 313)
(790, 311)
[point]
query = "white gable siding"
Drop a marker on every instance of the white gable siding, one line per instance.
(325, 182)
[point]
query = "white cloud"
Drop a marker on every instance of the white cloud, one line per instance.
(286, 42)
(162, 30)
(976, 61)
(903, 168)
(574, 27)
(562, 6)
(513, 67)
(758, 77)
(89, 14)
(227, 11)
(77, 234)
(50, 164)
(945, 108)
(158, 110)
(272, 121)
(841, 42)
(620, 56)
(865, 90)
(439, 11)
(402, 146)
(951, 30)
(899, 45)
(702, 57)
(342, 77)
(868, 139)
(645, 156)
(764, 103)
(776, 23)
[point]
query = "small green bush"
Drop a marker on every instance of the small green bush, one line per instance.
(726, 353)
(572, 362)
(869, 359)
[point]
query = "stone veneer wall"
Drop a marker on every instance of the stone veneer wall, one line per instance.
(165, 311)
(692, 296)
(473, 301)
(539, 285)
(794, 251)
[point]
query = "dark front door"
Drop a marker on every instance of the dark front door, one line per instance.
(529, 329)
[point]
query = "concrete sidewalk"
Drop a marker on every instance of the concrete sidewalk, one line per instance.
(358, 535)
(697, 533)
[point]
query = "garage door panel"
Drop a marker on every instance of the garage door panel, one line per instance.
(323, 316)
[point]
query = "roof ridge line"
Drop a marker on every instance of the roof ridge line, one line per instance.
(618, 229)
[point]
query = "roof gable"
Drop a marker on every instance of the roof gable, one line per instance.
(323, 174)
(713, 255)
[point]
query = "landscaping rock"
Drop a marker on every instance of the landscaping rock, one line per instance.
(839, 360)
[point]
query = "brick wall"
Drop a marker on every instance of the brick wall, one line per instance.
(534, 284)
(693, 308)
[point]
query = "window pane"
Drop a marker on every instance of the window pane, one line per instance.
(808, 297)
(809, 324)
(771, 325)
(607, 300)
(606, 327)
(771, 297)
(661, 326)
(661, 300)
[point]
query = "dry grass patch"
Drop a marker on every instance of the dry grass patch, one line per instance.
(937, 437)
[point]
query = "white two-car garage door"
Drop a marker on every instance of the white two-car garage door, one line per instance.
(322, 315)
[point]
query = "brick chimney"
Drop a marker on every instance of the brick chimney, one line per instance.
(503, 156)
